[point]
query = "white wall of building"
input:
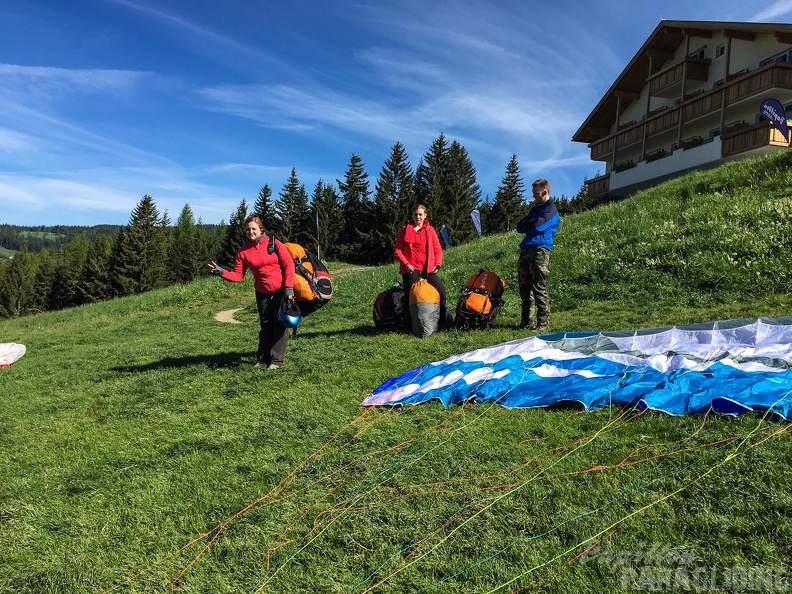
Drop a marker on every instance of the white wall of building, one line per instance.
(678, 160)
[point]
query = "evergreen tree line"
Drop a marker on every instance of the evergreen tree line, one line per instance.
(39, 238)
(146, 254)
(343, 222)
(352, 223)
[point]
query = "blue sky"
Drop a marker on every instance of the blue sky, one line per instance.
(203, 102)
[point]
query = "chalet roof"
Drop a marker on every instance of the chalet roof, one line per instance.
(660, 46)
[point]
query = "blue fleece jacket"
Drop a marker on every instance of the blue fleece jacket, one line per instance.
(540, 225)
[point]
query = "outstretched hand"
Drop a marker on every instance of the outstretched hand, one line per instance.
(216, 268)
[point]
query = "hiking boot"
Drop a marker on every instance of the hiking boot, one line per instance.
(525, 325)
(542, 327)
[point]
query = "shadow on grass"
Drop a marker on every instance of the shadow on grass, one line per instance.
(216, 361)
(368, 330)
(236, 360)
(362, 330)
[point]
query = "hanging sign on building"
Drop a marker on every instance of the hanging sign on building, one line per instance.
(774, 111)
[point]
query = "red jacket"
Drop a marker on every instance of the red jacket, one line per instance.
(420, 249)
(272, 272)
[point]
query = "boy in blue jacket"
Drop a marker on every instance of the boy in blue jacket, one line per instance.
(533, 267)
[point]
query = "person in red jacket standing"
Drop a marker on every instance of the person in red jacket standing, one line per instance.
(273, 274)
(420, 255)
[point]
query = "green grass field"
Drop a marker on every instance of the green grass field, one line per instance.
(142, 452)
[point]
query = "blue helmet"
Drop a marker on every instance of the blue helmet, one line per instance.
(289, 314)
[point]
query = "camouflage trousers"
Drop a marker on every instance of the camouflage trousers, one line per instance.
(533, 268)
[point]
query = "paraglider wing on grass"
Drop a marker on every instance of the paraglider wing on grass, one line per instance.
(10, 352)
(731, 365)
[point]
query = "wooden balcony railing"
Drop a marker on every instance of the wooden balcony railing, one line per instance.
(702, 104)
(598, 185)
(746, 138)
(689, 143)
(624, 165)
(775, 75)
(697, 69)
(655, 155)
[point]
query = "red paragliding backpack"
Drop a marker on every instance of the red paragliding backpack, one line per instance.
(480, 301)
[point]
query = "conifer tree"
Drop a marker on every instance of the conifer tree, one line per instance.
(326, 207)
(293, 214)
(234, 235)
(96, 280)
(461, 195)
(68, 273)
(17, 284)
(182, 255)
(485, 211)
(394, 197)
(44, 282)
(217, 241)
(430, 179)
(356, 210)
(205, 248)
(138, 260)
(509, 206)
(120, 266)
(264, 208)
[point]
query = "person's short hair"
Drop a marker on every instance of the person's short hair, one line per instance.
(254, 219)
(542, 184)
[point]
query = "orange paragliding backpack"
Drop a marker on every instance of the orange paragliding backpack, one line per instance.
(480, 301)
(313, 284)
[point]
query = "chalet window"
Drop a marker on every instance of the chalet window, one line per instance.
(699, 53)
(720, 50)
(785, 56)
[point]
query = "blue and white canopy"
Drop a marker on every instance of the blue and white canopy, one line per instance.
(732, 366)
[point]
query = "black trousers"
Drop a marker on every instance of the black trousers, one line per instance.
(273, 336)
(432, 279)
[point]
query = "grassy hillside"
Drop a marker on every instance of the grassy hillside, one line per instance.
(142, 452)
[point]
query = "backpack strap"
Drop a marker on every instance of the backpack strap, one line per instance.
(302, 270)
(272, 248)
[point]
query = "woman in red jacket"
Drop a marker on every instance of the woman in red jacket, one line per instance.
(419, 254)
(273, 273)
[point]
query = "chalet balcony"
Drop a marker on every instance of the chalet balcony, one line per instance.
(668, 81)
(598, 185)
(740, 139)
(774, 76)
(777, 75)
(692, 142)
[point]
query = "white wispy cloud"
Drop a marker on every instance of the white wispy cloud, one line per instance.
(775, 10)
(13, 142)
(204, 39)
(50, 84)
